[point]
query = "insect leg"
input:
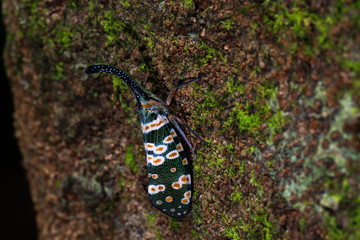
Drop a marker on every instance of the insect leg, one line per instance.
(170, 96)
(176, 125)
(183, 84)
(192, 131)
(195, 134)
(172, 92)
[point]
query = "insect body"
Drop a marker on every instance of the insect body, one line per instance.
(168, 167)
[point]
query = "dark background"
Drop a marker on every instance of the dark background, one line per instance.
(19, 214)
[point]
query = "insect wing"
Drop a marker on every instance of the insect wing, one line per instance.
(169, 173)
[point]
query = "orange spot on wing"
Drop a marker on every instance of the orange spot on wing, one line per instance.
(157, 160)
(174, 154)
(185, 179)
(148, 104)
(169, 199)
(149, 146)
(179, 147)
(145, 105)
(184, 201)
(161, 188)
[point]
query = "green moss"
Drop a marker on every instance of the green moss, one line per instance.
(188, 4)
(146, 66)
(64, 37)
(232, 230)
(127, 36)
(312, 32)
(129, 159)
(58, 73)
(35, 22)
(249, 116)
(126, 3)
(121, 184)
(60, 37)
(227, 24)
(151, 224)
(73, 4)
(210, 106)
(91, 6)
(174, 224)
(151, 218)
(120, 91)
(236, 196)
(58, 183)
(215, 161)
(195, 234)
(257, 225)
(352, 65)
(254, 27)
(149, 43)
(112, 26)
(207, 54)
(352, 217)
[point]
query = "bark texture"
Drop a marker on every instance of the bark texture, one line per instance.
(278, 102)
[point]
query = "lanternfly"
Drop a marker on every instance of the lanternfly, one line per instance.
(168, 166)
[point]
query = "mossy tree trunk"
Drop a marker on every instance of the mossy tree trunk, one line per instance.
(278, 102)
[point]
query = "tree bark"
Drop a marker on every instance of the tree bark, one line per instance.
(278, 102)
